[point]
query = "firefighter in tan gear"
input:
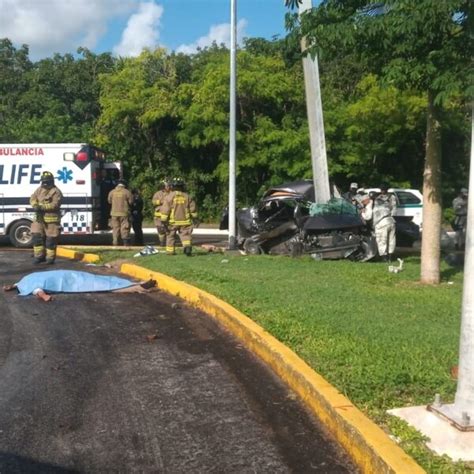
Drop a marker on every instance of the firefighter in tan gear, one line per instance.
(179, 213)
(158, 201)
(45, 230)
(120, 200)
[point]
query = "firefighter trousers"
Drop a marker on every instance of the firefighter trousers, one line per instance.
(120, 229)
(184, 232)
(45, 239)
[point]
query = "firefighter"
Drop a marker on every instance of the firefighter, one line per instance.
(120, 200)
(45, 230)
(178, 214)
(158, 200)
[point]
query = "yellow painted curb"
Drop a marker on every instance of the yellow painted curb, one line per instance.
(75, 255)
(367, 444)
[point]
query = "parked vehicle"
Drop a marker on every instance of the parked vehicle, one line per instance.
(287, 222)
(80, 171)
(409, 204)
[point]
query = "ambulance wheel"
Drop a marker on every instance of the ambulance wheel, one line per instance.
(20, 234)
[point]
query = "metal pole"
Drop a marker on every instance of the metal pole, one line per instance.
(315, 120)
(232, 122)
(461, 413)
(464, 400)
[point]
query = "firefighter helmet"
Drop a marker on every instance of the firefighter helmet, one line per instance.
(47, 177)
(178, 183)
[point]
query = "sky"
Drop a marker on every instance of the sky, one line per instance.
(125, 27)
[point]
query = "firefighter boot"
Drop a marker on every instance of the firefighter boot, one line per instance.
(49, 261)
(187, 250)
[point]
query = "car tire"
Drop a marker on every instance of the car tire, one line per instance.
(252, 248)
(20, 234)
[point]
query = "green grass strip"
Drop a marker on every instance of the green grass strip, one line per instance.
(382, 339)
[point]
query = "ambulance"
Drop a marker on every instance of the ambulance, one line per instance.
(81, 173)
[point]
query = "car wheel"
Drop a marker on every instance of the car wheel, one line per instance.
(252, 248)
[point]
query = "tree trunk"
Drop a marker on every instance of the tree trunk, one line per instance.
(430, 243)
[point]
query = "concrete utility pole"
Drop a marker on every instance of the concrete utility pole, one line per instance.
(232, 122)
(315, 120)
(461, 413)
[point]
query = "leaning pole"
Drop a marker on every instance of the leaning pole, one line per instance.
(315, 119)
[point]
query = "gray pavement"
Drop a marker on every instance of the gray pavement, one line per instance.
(107, 382)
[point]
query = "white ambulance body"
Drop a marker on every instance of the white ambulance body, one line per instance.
(80, 172)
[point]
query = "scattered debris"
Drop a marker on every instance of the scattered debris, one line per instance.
(174, 305)
(454, 372)
(394, 269)
(213, 248)
(147, 250)
(224, 260)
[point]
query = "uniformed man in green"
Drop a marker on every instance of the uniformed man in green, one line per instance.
(45, 230)
(179, 213)
(120, 200)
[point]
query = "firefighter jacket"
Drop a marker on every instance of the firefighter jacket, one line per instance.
(158, 201)
(47, 203)
(120, 200)
(178, 209)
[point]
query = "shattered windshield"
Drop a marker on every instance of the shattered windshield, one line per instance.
(333, 206)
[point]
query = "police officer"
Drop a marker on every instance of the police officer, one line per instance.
(137, 216)
(460, 220)
(45, 230)
(158, 201)
(384, 208)
(120, 200)
(179, 213)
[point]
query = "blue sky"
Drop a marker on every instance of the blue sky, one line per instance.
(126, 26)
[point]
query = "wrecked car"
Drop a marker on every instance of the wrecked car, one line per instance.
(287, 222)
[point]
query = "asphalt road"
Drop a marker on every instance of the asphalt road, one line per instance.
(107, 382)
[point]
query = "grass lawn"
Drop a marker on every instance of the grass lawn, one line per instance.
(382, 339)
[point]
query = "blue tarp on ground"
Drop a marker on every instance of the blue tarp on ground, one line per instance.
(70, 281)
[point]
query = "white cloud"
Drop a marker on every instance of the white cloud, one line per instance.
(219, 34)
(50, 26)
(142, 30)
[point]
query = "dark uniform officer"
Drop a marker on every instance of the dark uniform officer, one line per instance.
(137, 216)
(45, 230)
(120, 200)
(179, 213)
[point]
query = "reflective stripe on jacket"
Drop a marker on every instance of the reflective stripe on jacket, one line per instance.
(178, 209)
(158, 201)
(48, 204)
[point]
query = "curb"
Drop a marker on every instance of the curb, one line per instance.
(75, 255)
(366, 443)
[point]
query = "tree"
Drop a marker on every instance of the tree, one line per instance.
(413, 44)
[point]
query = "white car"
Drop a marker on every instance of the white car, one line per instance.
(409, 203)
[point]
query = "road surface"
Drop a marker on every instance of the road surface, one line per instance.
(107, 382)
